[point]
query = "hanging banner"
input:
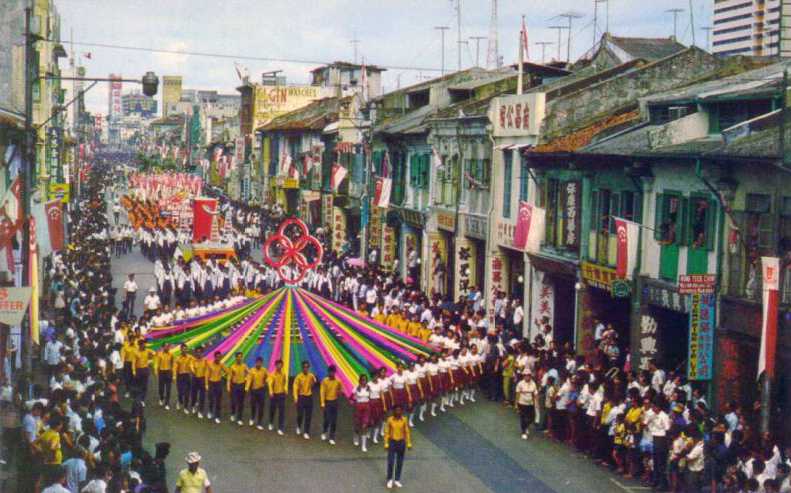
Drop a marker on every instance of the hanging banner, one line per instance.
(571, 206)
(542, 305)
(13, 304)
(375, 229)
(626, 253)
(701, 337)
(771, 284)
(203, 212)
(54, 210)
(338, 229)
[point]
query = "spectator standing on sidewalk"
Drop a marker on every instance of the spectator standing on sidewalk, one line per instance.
(194, 478)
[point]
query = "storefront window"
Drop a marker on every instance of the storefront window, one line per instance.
(553, 206)
(702, 222)
(669, 217)
(524, 180)
(754, 239)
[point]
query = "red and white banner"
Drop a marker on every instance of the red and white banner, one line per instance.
(628, 234)
(54, 210)
(7, 233)
(529, 228)
(13, 201)
(771, 284)
(382, 192)
(338, 174)
(203, 212)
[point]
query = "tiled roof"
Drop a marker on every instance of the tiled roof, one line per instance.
(582, 137)
(314, 116)
(649, 49)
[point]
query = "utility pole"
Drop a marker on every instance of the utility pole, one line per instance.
(477, 40)
(692, 21)
(25, 178)
(675, 13)
(570, 16)
(543, 45)
(442, 30)
(560, 39)
(596, 19)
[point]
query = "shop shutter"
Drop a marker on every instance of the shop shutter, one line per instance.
(659, 216)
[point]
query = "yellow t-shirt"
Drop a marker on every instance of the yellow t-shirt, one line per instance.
(49, 443)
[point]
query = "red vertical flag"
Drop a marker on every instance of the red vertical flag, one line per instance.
(522, 229)
(626, 253)
(54, 210)
(203, 211)
(771, 286)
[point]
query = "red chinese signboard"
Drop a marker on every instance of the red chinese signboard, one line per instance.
(697, 284)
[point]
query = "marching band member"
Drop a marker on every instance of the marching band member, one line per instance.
(329, 391)
(256, 387)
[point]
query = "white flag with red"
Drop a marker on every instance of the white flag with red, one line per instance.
(771, 285)
(627, 234)
(338, 175)
(529, 230)
(523, 44)
(382, 192)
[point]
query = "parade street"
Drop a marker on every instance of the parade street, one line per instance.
(468, 449)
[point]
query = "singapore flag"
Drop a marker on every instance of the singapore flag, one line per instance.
(529, 229)
(626, 254)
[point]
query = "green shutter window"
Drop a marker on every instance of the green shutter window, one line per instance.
(424, 171)
(486, 164)
(414, 163)
(659, 216)
(594, 210)
(683, 223)
(711, 225)
(507, 170)
(615, 210)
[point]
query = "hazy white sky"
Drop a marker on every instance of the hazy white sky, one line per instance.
(391, 32)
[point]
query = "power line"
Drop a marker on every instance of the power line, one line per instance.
(238, 57)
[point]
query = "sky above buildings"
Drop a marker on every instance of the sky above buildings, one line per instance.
(391, 33)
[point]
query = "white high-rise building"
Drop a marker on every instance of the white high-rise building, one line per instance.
(751, 27)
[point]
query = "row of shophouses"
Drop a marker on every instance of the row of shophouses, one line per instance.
(688, 145)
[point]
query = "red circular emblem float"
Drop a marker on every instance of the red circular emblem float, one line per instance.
(285, 250)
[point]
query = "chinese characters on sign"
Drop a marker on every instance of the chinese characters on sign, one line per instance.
(514, 115)
(518, 114)
(13, 304)
(475, 227)
(571, 206)
(665, 297)
(505, 233)
(446, 221)
(338, 228)
(696, 284)
(388, 247)
(497, 280)
(701, 337)
(326, 210)
(374, 228)
(648, 341)
(542, 307)
(598, 276)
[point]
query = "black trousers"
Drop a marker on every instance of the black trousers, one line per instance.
(141, 382)
(164, 384)
(395, 459)
(277, 402)
(183, 388)
(330, 418)
(215, 398)
(257, 397)
(237, 400)
(527, 414)
(304, 412)
(659, 473)
(198, 394)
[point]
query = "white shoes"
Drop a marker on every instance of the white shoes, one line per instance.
(167, 408)
(398, 484)
(270, 427)
(161, 403)
(217, 420)
(252, 423)
(178, 406)
(298, 432)
(209, 415)
(524, 436)
(186, 411)
(259, 427)
(323, 437)
(240, 422)
(364, 448)
(306, 436)
(390, 484)
(355, 441)
(280, 432)
(332, 442)
(200, 415)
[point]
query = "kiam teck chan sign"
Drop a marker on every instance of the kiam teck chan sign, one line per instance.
(518, 115)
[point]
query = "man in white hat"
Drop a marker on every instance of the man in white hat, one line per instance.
(193, 479)
(152, 302)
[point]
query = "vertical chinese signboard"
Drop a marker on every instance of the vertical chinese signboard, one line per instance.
(648, 347)
(571, 223)
(326, 210)
(388, 247)
(542, 305)
(701, 337)
(338, 228)
(375, 228)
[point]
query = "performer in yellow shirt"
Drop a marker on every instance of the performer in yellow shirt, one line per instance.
(329, 391)
(215, 371)
(392, 319)
(198, 368)
(303, 398)
(142, 359)
(128, 357)
(237, 376)
(256, 387)
(397, 439)
(163, 366)
(278, 386)
(414, 327)
(183, 368)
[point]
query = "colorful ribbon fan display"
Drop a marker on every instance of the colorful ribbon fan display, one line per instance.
(295, 325)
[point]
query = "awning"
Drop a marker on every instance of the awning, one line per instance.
(553, 266)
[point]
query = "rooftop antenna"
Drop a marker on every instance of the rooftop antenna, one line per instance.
(570, 16)
(708, 36)
(442, 30)
(477, 40)
(354, 43)
(692, 21)
(675, 13)
(459, 42)
(543, 45)
(493, 51)
(560, 33)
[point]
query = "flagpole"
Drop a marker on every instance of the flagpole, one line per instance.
(521, 57)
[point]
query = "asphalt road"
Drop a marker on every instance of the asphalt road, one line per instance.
(475, 448)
